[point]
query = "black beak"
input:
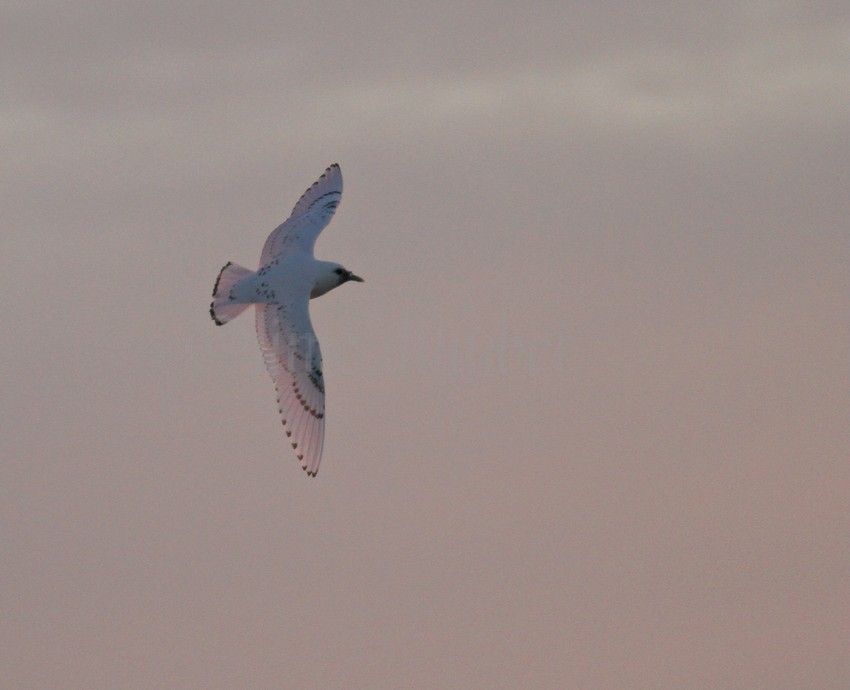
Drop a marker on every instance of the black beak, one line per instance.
(358, 279)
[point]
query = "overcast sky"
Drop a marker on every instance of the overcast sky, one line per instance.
(587, 418)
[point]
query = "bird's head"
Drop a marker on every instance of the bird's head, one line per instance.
(345, 275)
(330, 276)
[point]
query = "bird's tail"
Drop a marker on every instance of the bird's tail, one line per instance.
(223, 309)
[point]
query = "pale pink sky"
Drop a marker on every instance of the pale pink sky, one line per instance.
(587, 418)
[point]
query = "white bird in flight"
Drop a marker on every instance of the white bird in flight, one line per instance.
(289, 276)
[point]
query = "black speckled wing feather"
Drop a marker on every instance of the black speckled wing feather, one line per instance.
(311, 214)
(294, 361)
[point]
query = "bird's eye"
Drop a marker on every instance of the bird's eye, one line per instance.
(338, 271)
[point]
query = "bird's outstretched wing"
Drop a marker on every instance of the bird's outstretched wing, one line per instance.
(311, 214)
(293, 360)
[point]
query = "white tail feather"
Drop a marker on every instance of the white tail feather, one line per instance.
(223, 309)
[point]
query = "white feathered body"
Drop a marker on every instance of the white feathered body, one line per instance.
(282, 279)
